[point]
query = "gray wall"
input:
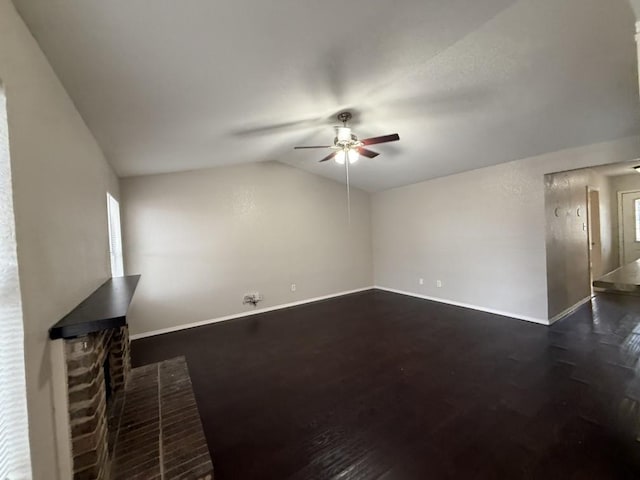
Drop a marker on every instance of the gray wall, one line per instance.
(568, 276)
(482, 233)
(60, 180)
(202, 239)
(568, 280)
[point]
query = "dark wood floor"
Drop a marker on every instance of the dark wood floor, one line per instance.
(382, 386)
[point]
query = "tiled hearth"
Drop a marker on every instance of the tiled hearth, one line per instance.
(160, 435)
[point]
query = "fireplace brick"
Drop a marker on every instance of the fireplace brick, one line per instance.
(85, 443)
(79, 394)
(88, 409)
(85, 425)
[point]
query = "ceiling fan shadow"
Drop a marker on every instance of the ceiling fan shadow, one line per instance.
(440, 104)
(334, 67)
(390, 149)
(269, 128)
(312, 122)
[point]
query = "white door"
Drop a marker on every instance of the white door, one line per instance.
(630, 213)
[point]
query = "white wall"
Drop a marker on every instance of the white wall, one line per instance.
(60, 179)
(202, 239)
(481, 232)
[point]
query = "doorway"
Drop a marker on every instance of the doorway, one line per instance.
(584, 232)
(629, 225)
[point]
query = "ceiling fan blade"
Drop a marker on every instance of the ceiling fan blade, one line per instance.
(367, 153)
(329, 157)
(314, 146)
(384, 139)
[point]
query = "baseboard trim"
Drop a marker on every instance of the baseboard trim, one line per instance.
(539, 321)
(186, 326)
(201, 323)
(569, 310)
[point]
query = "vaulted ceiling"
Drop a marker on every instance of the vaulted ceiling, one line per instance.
(171, 85)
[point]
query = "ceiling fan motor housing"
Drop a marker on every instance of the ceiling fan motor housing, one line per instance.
(344, 135)
(344, 117)
(345, 139)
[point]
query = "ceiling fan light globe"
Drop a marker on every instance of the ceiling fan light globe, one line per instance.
(340, 157)
(344, 134)
(354, 156)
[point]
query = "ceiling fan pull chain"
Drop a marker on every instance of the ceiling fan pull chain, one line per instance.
(346, 168)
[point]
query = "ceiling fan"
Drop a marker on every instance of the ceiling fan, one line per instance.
(347, 149)
(347, 146)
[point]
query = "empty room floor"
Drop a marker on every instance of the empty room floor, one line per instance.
(377, 385)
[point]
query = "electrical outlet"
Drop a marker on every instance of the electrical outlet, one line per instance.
(421, 281)
(293, 287)
(439, 283)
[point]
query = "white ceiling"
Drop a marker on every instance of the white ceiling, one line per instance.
(616, 169)
(168, 86)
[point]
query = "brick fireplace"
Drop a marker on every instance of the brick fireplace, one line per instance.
(97, 367)
(123, 423)
(96, 348)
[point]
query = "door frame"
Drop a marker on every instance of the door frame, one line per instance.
(621, 225)
(590, 234)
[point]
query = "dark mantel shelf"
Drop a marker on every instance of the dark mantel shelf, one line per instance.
(103, 309)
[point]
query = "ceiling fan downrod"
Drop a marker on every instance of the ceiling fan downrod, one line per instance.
(344, 117)
(347, 148)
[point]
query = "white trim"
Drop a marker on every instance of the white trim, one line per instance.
(539, 321)
(467, 305)
(245, 314)
(569, 310)
(590, 235)
(621, 225)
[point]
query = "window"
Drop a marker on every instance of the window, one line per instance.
(115, 237)
(636, 206)
(15, 458)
